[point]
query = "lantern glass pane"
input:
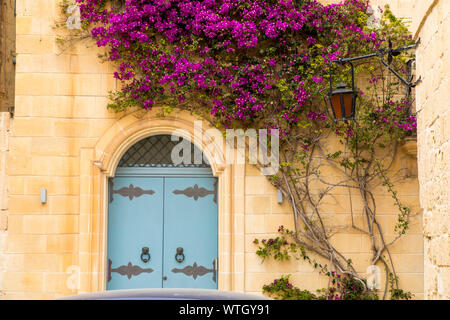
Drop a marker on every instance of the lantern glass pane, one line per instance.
(348, 101)
(336, 101)
(336, 104)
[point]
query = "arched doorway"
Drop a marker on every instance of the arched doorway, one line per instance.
(162, 220)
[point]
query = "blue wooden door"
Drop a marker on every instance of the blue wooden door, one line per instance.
(135, 222)
(176, 219)
(190, 233)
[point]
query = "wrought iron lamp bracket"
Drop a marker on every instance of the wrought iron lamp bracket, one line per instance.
(381, 53)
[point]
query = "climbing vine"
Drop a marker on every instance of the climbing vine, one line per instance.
(265, 64)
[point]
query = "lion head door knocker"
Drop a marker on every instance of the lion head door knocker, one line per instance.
(145, 255)
(179, 256)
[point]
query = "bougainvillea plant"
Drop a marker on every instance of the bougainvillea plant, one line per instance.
(342, 288)
(266, 64)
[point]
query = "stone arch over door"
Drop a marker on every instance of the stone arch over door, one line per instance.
(100, 163)
(162, 219)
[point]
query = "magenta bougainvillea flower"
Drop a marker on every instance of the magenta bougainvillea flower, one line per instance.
(242, 60)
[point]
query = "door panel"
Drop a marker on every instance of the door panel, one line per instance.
(190, 223)
(162, 214)
(135, 221)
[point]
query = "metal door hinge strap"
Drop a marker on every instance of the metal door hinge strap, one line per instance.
(195, 271)
(130, 192)
(196, 192)
(127, 270)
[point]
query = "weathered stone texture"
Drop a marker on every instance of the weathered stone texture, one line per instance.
(430, 21)
(4, 138)
(433, 106)
(7, 54)
(62, 133)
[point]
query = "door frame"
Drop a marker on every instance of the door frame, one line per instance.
(164, 172)
(99, 163)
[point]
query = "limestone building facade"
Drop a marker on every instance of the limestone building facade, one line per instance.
(63, 139)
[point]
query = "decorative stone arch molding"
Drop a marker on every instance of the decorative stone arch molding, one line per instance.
(142, 124)
(99, 163)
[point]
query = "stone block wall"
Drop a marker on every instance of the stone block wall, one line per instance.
(60, 109)
(60, 129)
(263, 216)
(4, 136)
(430, 21)
(433, 108)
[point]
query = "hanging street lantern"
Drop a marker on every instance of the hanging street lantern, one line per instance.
(343, 99)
